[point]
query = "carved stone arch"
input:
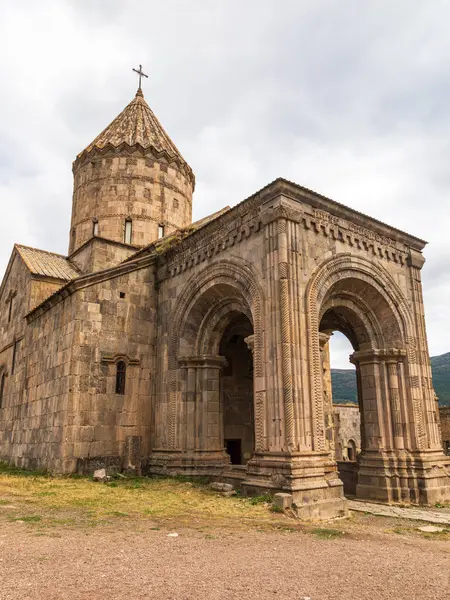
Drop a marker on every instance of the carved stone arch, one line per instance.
(242, 293)
(371, 334)
(331, 272)
(338, 267)
(238, 275)
(211, 328)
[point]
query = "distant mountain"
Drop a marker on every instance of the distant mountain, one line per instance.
(440, 365)
(344, 381)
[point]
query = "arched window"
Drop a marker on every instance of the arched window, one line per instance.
(94, 227)
(121, 369)
(2, 388)
(351, 450)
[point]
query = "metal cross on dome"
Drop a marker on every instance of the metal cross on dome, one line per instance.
(141, 74)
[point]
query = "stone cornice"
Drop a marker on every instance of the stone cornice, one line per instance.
(86, 281)
(289, 189)
(378, 355)
(284, 200)
(126, 150)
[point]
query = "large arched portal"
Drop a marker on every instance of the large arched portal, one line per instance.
(356, 308)
(214, 411)
(356, 305)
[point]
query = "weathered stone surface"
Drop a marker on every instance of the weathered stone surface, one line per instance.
(431, 529)
(283, 501)
(217, 486)
(100, 475)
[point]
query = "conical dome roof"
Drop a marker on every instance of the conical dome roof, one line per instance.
(136, 125)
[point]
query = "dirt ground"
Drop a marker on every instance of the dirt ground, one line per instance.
(70, 538)
(365, 557)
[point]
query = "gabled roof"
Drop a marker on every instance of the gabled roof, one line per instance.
(136, 125)
(49, 264)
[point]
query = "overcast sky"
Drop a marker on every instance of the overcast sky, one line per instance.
(349, 98)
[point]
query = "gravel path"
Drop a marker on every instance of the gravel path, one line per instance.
(111, 563)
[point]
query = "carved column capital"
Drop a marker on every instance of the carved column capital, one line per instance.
(375, 355)
(250, 341)
(324, 338)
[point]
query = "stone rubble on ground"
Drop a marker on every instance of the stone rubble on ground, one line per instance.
(431, 529)
(100, 475)
(217, 486)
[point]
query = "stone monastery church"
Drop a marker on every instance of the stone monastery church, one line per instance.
(171, 347)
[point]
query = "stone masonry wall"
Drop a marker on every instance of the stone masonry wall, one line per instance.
(60, 411)
(347, 423)
(114, 321)
(98, 254)
(33, 419)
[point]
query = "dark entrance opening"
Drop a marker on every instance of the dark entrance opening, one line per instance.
(234, 449)
(237, 390)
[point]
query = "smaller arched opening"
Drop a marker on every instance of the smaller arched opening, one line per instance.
(351, 450)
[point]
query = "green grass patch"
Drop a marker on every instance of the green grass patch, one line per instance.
(29, 519)
(327, 534)
(263, 499)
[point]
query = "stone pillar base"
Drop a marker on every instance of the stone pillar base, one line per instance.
(311, 479)
(193, 463)
(418, 478)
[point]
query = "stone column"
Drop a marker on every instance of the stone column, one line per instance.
(295, 459)
(324, 339)
(199, 445)
(388, 470)
(393, 365)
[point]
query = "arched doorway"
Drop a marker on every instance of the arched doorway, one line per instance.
(237, 390)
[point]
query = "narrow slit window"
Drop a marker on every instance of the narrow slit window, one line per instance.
(128, 231)
(2, 388)
(95, 228)
(14, 357)
(10, 309)
(161, 231)
(120, 377)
